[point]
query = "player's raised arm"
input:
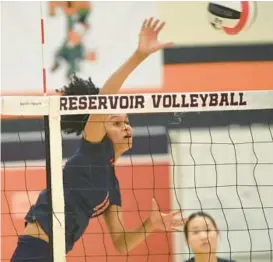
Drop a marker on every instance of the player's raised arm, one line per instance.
(148, 43)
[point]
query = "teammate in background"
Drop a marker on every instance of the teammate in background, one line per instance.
(201, 233)
(90, 185)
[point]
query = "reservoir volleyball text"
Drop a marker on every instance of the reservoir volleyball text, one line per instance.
(186, 100)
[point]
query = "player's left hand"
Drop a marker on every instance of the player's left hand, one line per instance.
(166, 221)
(148, 37)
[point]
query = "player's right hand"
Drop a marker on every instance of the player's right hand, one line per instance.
(148, 37)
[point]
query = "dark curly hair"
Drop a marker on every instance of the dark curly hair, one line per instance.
(77, 86)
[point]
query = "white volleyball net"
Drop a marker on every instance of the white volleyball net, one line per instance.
(191, 151)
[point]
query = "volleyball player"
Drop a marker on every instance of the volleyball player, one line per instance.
(201, 233)
(90, 185)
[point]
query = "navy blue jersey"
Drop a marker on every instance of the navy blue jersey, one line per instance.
(90, 186)
(218, 260)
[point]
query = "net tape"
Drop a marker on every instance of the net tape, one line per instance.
(137, 103)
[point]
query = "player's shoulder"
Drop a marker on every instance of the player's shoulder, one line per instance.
(98, 149)
(88, 153)
(104, 142)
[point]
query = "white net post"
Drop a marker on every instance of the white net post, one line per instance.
(48, 106)
(57, 192)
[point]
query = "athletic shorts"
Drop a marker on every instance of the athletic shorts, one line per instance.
(31, 249)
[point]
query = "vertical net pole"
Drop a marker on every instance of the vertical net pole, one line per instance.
(48, 184)
(55, 178)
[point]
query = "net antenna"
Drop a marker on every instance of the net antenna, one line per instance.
(55, 106)
(48, 139)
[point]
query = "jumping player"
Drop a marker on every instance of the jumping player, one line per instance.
(90, 185)
(201, 233)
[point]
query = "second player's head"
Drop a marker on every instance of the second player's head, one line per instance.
(117, 127)
(201, 233)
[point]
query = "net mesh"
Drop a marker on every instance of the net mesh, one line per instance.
(223, 170)
(218, 162)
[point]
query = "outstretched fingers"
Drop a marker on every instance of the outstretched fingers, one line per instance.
(149, 34)
(144, 24)
(179, 222)
(176, 212)
(176, 229)
(153, 24)
(160, 27)
(149, 23)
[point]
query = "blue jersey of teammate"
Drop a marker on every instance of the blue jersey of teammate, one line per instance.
(90, 186)
(218, 260)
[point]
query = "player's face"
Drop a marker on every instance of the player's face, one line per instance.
(119, 131)
(202, 235)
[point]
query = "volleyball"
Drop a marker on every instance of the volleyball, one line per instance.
(231, 17)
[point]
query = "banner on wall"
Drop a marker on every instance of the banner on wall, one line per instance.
(91, 38)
